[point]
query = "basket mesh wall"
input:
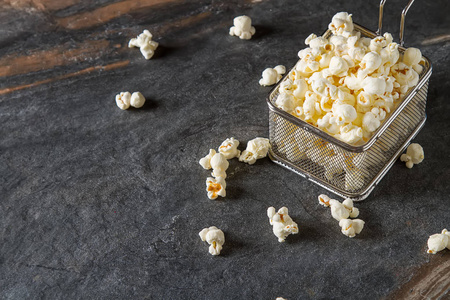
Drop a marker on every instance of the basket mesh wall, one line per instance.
(343, 171)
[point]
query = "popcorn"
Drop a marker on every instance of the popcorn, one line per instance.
(339, 210)
(144, 43)
(256, 149)
(370, 62)
(377, 43)
(370, 122)
(215, 187)
(353, 211)
(350, 134)
(341, 24)
(285, 102)
(343, 114)
(214, 237)
(282, 223)
(324, 200)
(309, 38)
(438, 242)
(414, 155)
(389, 55)
(376, 86)
(351, 227)
(357, 54)
(205, 162)
(412, 57)
(364, 102)
(271, 76)
(405, 75)
(301, 87)
(229, 148)
(137, 100)
(219, 164)
(338, 66)
(242, 28)
(123, 100)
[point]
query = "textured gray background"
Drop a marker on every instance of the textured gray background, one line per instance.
(99, 203)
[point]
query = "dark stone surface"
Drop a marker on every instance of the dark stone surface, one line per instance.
(99, 203)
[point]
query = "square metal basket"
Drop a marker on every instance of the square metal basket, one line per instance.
(347, 170)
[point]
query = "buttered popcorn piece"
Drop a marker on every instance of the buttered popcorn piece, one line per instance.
(242, 28)
(137, 100)
(144, 43)
(286, 102)
(219, 164)
(271, 76)
(214, 237)
(229, 148)
(215, 187)
(412, 58)
(350, 227)
(339, 210)
(414, 155)
(123, 100)
(438, 242)
(205, 162)
(281, 222)
(341, 24)
(256, 149)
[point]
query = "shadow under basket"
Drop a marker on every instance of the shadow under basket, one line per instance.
(344, 169)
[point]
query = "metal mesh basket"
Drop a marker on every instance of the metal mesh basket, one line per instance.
(344, 169)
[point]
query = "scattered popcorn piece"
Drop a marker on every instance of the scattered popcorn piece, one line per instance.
(219, 165)
(256, 149)
(438, 242)
(351, 227)
(214, 237)
(242, 28)
(414, 155)
(123, 100)
(280, 69)
(282, 223)
(144, 43)
(324, 200)
(280, 298)
(229, 148)
(205, 162)
(339, 210)
(215, 187)
(271, 76)
(353, 211)
(137, 100)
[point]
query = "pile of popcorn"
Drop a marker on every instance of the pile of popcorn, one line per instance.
(346, 84)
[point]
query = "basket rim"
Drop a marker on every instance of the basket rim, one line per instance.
(423, 78)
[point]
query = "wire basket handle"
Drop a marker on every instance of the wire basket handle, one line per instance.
(402, 21)
(380, 18)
